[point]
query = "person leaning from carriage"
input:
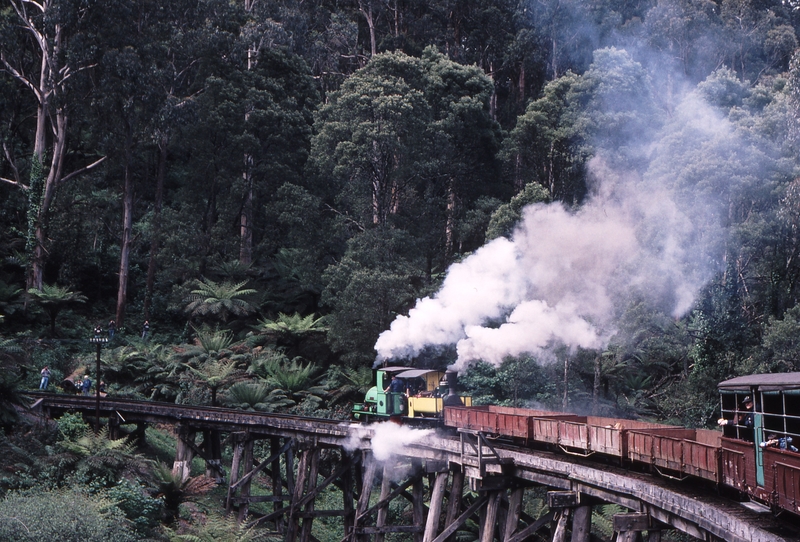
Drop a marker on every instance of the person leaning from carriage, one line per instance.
(743, 420)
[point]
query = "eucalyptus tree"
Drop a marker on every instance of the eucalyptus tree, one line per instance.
(403, 151)
(47, 49)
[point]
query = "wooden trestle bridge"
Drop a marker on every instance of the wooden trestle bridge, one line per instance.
(495, 475)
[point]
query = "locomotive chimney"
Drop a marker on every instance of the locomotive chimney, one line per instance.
(452, 398)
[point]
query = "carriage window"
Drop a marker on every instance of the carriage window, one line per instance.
(791, 400)
(772, 403)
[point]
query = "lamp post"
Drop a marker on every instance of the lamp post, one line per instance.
(99, 340)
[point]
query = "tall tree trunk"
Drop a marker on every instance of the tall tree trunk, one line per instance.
(246, 227)
(246, 215)
(450, 220)
(125, 249)
(155, 240)
(366, 11)
(565, 398)
(596, 386)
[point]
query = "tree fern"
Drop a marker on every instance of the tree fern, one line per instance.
(219, 300)
(176, 489)
(53, 299)
(294, 324)
(215, 374)
(257, 396)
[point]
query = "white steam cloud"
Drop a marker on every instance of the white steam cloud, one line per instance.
(564, 275)
(387, 439)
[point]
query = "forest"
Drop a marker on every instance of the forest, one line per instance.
(588, 205)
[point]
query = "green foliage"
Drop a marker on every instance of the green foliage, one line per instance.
(214, 374)
(294, 324)
(10, 299)
(142, 510)
(348, 383)
(34, 202)
(481, 382)
(63, 515)
(219, 528)
(53, 299)
(372, 283)
(213, 341)
(257, 396)
(505, 218)
(102, 460)
(519, 381)
(297, 381)
(11, 398)
(72, 427)
(175, 489)
(780, 347)
(219, 300)
(603, 519)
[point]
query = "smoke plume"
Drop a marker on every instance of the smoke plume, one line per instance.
(565, 275)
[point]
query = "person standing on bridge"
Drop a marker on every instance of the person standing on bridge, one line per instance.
(45, 378)
(86, 385)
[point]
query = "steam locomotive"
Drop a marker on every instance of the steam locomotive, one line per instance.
(417, 396)
(754, 455)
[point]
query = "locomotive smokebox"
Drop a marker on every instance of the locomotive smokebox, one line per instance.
(452, 398)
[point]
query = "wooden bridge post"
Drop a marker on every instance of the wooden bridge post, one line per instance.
(369, 466)
(435, 508)
(113, 427)
(489, 516)
(238, 448)
(313, 472)
(418, 494)
(213, 450)
(347, 492)
(560, 521)
(244, 494)
(139, 434)
(454, 497)
(293, 519)
(582, 524)
(277, 480)
(513, 513)
(184, 452)
(383, 511)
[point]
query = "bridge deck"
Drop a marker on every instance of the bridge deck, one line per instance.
(691, 507)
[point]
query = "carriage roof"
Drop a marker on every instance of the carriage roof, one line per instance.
(764, 382)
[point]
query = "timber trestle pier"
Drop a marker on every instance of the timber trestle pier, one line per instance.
(447, 480)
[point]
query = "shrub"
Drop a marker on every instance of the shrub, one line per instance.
(62, 516)
(144, 511)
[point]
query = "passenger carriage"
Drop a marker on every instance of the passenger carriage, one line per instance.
(761, 462)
